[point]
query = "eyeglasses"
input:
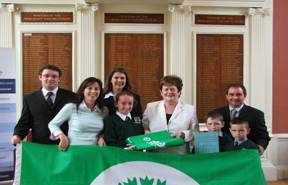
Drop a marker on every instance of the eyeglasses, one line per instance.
(52, 76)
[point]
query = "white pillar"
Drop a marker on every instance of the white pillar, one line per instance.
(6, 26)
(260, 81)
(258, 63)
(86, 64)
(180, 50)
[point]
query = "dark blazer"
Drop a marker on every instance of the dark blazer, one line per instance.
(223, 141)
(116, 131)
(36, 114)
(136, 111)
(258, 134)
(248, 144)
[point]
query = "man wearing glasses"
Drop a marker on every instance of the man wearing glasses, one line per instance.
(41, 106)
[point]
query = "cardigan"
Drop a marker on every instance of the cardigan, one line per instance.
(84, 124)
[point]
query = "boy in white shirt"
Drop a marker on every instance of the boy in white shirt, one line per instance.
(215, 123)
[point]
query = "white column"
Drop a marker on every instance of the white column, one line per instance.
(181, 39)
(260, 87)
(86, 64)
(258, 62)
(6, 26)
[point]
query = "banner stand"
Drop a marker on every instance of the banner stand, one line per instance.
(7, 113)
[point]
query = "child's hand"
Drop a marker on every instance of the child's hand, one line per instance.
(146, 131)
(130, 148)
(101, 141)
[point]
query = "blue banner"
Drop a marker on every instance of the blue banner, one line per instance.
(7, 86)
(7, 111)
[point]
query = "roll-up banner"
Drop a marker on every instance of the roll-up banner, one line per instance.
(7, 111)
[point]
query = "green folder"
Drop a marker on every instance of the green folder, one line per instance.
(154, 140)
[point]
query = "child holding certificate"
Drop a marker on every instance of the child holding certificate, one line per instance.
(215, 123)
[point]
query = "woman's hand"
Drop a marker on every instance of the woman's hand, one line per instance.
(178, 135)
(101, 141)
(64, 142)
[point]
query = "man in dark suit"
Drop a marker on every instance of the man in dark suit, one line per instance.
(235, 95)
(41, 106)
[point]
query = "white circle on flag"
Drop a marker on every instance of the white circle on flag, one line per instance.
(120, 173)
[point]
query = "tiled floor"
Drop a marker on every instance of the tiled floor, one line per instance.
(282, 182)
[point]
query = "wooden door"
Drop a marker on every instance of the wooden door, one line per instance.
(46, 48)
(219, 63)
(142, 56)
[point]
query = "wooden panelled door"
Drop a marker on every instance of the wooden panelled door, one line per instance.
(142, 56)
(46, 48)
(219, 63)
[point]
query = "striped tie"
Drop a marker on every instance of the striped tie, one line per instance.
(49, 99)
(233, 113)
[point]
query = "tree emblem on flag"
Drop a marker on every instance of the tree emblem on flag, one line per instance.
(143, 173)
(142, 181)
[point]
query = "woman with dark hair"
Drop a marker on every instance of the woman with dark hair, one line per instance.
(117, 82)
(85, 116)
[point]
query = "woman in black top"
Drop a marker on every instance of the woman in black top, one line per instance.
(117, 82)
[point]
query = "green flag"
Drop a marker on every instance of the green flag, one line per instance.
(154, 140)
(38, 164)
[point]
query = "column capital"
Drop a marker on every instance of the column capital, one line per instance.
(85, 6)
(10, 7)
(179, 8)
(258, 11)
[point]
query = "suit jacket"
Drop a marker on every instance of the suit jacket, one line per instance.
(136, 110)
(36, 114)
(258, 134)
(183, 119)
(223, 141)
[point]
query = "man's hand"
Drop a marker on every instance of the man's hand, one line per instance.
(261, 149)
(15, 140)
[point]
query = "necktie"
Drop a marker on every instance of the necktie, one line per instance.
(233, 113)
(236, 144)
(127, 119)
(49, 99)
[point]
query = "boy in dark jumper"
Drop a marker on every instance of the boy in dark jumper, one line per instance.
(239, 130)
